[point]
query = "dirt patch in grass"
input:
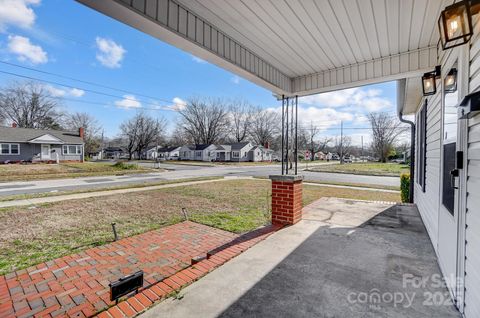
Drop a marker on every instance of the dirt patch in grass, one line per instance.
(369, 168)
(31, 235)
(28, 172)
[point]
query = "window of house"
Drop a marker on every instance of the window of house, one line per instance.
(422, 145)
(198, 154)
(72, 149)
(235, 154)
(10, 149)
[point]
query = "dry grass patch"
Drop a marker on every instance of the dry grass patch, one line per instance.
(29, 236)
(40, 171)
(368, 168)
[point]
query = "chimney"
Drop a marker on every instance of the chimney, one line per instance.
(14, 125)
(267, 145)
(81, 132)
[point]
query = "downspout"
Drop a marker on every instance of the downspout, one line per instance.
(412, 155)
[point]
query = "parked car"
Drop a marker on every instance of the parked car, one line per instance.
(347, 159)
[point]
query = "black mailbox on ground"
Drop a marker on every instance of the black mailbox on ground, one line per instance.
(126, 285)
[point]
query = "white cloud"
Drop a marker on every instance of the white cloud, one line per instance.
(75, 92)
(235, 79)
(357, 99)
(17, 13)
(323, 118)
(55, 91)
(58, 92)
(128, 101)
(198, 60)
(109, 53)
(25, 50)
(178, 104)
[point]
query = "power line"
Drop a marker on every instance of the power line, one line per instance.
(75, 87)
(83, 81)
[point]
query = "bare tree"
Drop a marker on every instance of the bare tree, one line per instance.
(313, 143)
(91, 126)
(179, 136)
(385, 130)
(265, 126)
(343, 145)
(29, 105)
(140, 132)
(205, 121)
(241, 114)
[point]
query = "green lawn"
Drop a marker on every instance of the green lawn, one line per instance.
(40, 171)
(31, 235)
(367, 168)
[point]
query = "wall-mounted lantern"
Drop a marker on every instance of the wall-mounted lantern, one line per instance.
(450, 84)
(429, 81)
(455, 23)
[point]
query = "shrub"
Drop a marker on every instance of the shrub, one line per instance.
(125, 166)
(405, 187)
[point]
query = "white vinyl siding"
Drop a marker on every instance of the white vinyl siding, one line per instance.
(9, 149)
(472, 217)
(72, 150)
(428, 201)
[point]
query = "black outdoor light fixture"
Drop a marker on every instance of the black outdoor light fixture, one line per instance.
(450, 84)
(429, 81)
(455, 23)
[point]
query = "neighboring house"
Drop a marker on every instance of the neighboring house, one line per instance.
(38, 145)
(197, 152)
(164, 153)
(113, 153)
(223, 153)
(240, 151)
(260, 153)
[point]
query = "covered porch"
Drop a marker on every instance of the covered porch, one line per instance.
(346, 258)
(300, 48)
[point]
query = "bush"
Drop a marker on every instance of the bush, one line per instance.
(125, 166)
(405, 187)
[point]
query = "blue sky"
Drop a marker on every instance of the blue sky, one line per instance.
(67, 38)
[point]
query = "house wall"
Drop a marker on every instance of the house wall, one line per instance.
(29, 152)
(428, 202)
(472, 216)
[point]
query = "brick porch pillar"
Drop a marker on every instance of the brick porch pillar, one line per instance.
(286, 199)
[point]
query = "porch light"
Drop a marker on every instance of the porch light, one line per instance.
(450, 84)
(455, 23)
(429, 82)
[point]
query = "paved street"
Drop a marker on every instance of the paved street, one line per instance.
(179, 172)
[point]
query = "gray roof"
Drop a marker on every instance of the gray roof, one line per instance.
(238, 145)
(224, 147)
(9, 134)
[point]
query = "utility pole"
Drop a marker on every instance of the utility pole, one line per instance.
(341, 142)
(102, 146)
(362, 150)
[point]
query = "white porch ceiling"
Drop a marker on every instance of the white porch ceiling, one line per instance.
(295, 46)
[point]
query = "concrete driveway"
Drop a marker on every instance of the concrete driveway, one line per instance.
(344, 259)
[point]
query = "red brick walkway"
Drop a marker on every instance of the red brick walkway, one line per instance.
(77, 285)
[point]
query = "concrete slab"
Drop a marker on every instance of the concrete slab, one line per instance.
(345, 259)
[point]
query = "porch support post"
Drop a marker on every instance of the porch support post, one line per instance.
(286, 199)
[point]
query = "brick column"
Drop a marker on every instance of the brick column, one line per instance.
(286, 199)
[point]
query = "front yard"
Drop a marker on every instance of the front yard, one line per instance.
(365, 168)
(31, 235)
(28, 172)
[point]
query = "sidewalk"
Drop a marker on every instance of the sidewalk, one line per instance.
(57, 198)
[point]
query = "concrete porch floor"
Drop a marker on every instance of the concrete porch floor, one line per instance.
(344, 259)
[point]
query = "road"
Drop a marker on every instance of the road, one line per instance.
(178, 172)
